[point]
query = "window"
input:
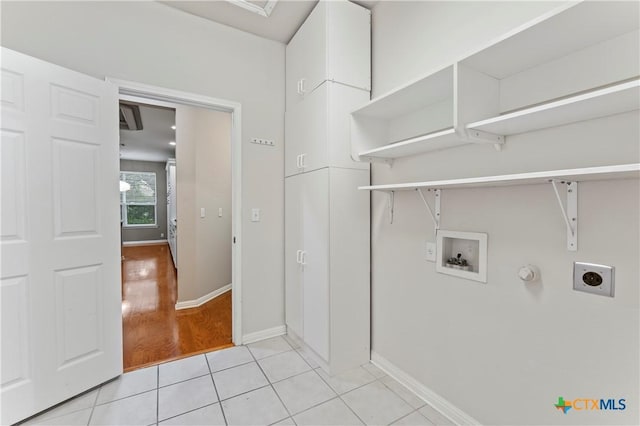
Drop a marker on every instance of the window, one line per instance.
(139, 202)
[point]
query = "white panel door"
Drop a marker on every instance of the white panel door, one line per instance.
(292, 254)
(315, 205)
(61, 303)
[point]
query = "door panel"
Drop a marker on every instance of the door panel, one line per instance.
(315, 196)
(293, 243)
(60, 235)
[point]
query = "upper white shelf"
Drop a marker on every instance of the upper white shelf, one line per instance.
(537, 76)
(611, 100)
(562, 31)
(624, 171)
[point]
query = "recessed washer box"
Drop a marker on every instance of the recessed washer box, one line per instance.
(593, 278)
(462, 254)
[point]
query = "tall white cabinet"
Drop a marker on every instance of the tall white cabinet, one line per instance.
(326, 218)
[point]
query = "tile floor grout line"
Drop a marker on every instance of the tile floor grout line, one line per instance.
(94, 406)
(244, 393)
(315, 405)
(402, 417)
(229, 368)
(340, 396)
(187, 412)
(269, 356)
(271, 384)
(268, 382)
(215, 388)
(400, 396)
(63, 403)
(182, 381)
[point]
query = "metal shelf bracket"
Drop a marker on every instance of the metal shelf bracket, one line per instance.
(570, 215)
(478, 136)
(392, 196)
(435, 217)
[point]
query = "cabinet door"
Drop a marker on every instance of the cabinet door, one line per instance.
(292, 246)
(349, 42)
(314, 128)
(315, 205)
(294, 139)
(306, 134)
(306, 56)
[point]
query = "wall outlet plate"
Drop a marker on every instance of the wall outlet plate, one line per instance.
(593, 278)
(430, 251)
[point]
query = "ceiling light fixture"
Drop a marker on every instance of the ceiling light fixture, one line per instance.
(173, 127)
(252, 7)
(172, 143)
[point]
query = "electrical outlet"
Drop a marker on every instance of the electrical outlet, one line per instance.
(260, 141)
(430, 253)
(593, 278)
(162, 235)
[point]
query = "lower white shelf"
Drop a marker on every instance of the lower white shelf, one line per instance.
(623, 97)
(623, 171)
(430, 142)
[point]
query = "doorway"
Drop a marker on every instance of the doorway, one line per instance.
(190, 301)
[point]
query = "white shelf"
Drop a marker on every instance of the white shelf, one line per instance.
(417, 94)
(430, 142)
(624, 171)
(537, 76)
(548, 37)
(611, 100)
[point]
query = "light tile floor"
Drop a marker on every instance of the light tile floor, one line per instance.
(265, 383)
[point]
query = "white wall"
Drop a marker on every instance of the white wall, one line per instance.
(203, 167)
(502, 351)
(154, 44)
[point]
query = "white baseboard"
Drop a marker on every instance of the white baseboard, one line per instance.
(145, 243)
(264, 334)
(445, 407)
(187, 304)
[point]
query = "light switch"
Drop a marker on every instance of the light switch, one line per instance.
(220, 212)
(201, 211)
(255, 215)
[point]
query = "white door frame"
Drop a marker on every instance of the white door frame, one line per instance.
(149, 94)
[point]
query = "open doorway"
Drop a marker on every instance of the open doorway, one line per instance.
(176, 203)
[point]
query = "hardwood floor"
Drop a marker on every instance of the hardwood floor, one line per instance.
(153, 331)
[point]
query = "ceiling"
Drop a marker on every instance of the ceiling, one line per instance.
(152, 142)
(280, 25)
